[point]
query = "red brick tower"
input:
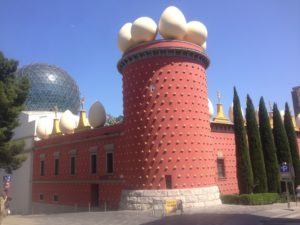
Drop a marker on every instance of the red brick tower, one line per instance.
(167, 142)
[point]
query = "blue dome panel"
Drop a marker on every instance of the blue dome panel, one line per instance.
(50, 86)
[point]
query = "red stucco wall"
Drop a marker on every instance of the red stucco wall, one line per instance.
(167, 128)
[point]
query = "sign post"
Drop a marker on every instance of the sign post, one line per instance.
(6, 183)
(287, 174)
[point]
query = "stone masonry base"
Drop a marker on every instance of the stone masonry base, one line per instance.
(191, 197)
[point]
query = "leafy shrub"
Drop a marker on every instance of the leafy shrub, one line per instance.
(251, 199)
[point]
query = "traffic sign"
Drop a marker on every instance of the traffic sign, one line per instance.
(284, 168)
(7, 178)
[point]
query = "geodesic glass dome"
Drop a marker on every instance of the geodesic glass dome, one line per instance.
(50, 86)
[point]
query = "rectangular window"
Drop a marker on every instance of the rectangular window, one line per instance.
(109, 162)
(72, 165)
(41, 197)
(55, 198)
(42, 167)
(94, 163)
(168, 179)
(221, 168)
(56, 166)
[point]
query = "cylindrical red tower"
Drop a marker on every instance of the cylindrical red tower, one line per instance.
(167, 141)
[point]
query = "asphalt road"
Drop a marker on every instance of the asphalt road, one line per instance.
(276, 214)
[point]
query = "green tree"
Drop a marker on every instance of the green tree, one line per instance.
(244, 171)
(255, 149)
(13, 93)
(269, 148)
(290, 131)
(280, 138)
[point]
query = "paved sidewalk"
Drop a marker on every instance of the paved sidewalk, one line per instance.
(276, 214)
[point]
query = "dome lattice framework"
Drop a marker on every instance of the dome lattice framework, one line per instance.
(50, 86)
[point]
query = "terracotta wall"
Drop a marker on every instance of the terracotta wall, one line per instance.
(77, 189)
(224, 148)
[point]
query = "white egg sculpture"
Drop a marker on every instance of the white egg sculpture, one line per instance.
(172, 23)
(298, 121)
(282, 114)
(210, 109)
(143, 29)
(44, 127)
(257, 115)
(196, 32)
(67, 123)
(97, 115)
(124, 38)
(204, 45)
(230, 113)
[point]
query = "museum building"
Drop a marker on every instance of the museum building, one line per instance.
(169, 144)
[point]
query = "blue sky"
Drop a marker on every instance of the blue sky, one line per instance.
(254, 45)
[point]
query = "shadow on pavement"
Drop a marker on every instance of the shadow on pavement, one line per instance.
(221, 219)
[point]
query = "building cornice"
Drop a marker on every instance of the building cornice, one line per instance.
(156, 51)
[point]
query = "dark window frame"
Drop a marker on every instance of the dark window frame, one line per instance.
(41, 197)
(109, 169)
(73, 165)
(42, 167)
(168, 180)
(56, 166)
(93, 163)
(221, 168)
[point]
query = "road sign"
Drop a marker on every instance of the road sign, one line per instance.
(284, 168)
(7, 178)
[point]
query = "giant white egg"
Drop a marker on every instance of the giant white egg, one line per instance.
(67, 123)
(204, 45)
(196, 32)
(282, 115)
(124, 38)
(298, 121)
(143, 29)
(172, 23)
(210, 109)
(44, 127)
(230, 113)
(97, 115)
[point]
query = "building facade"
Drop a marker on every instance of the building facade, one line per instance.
(296, 100)
(166, 147)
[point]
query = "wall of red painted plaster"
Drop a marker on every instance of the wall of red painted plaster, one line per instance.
(224, 147)
(67, 186)
(167, 125)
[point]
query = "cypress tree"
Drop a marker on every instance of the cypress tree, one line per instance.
(280, 138)
(269, 149)
(244, 171)
(255, 149)
(290, 131)
(13, 94)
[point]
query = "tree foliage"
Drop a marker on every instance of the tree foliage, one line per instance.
(255, 149)
(269, 149)
(244, 171)
(13, 93)
(280, 138)
(290, 131)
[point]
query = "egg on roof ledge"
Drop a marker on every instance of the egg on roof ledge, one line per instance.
(210, 109)
(143, 29)
(196, 32)
(124, 38)
(67, 123)
(172, 24)
(97, 115)
(44, 127)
